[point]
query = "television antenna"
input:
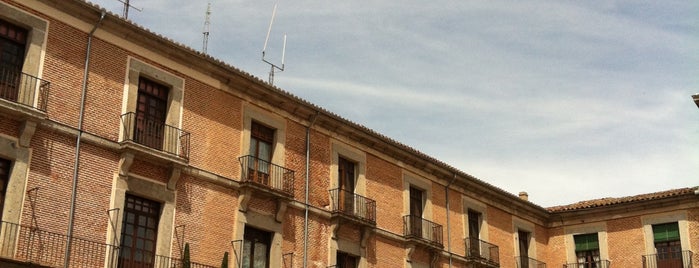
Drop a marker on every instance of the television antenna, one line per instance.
(128, 6)
(207, 22)
(273, 67)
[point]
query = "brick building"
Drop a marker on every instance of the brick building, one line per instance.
(119, 147)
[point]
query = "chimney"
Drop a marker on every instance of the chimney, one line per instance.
(524, 196)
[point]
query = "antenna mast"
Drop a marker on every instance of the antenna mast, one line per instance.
(273, 67)
(206, 28)
(128, 6)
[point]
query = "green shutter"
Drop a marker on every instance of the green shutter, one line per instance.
(666, 232)
(586, 242)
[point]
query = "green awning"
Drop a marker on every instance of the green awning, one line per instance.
(586, 242)
(666, 232)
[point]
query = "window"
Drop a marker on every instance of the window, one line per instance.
(666, 238)
(151, 110)
(12, 45)
(4, 177)
(416, 210)
(139, 232)
(523, 243)
(256, 245)
(261, 140)
(346, 183)
(587, 250)
(474, 230)
(345, 260)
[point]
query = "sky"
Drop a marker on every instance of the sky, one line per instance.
(566, 100)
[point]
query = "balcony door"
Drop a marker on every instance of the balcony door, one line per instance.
(345, 260)
(256, 247)
(416, 211)
(587, 250)
(474, 230)
(346, 176)
(151, 109)
(13, 41)
(261, 140)
(139, 232)
(667, 245)
(523, 242)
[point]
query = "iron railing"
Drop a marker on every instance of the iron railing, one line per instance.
(526, 262)
(353, 205)
(33, 245)
(416, 227)
(168, 262)
(479, 249)
(24, 89)
(679, 259)
(155, 134)
(266, 174)
(592, 264)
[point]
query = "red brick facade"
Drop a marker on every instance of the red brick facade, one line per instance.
(206, 200)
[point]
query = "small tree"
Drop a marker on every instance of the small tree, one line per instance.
(185, 257)
(224, 263)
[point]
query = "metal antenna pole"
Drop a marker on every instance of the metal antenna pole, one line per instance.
(127, 6)
(206, 28)
(272, 65)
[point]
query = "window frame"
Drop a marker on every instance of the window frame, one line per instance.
(252, 234)
(139, 214)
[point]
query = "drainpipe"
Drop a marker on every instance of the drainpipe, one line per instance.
(446, 195)
(305, 202)
(76, 167)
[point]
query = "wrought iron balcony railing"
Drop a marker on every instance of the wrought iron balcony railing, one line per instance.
(679, 259)
(24, 89)
(353, 205)
(33, 245)
(526, 262)
(593, 264)
(479, 249)
(415, 227)
(267, 175)
(130, 257)
(156, 135)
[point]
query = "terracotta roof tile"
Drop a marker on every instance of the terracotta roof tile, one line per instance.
(608, 201)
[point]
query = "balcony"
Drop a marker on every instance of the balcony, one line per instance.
(422, 231)
(353, 207)
(155, 135)
(526, 262)
(482, 252)
(23, 94)
(594, 264)
(674, 259)
(140, 258)
(266, 177)
(35, 246)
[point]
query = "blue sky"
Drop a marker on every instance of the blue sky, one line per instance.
(567, 100)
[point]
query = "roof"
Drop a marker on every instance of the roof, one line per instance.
(610, 201)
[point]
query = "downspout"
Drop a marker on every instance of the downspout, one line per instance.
(305, 202)
(76, 167)
(446, 196)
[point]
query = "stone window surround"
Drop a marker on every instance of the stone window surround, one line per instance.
(36, 38)
(650, 220)
(135, 69)
(146, 188)
(520, 224)
(571, 231)
(352, 154)
(20, 156)
(480, 207)
(262, 222)
(347, 246)
(252, 113)
(410, 179)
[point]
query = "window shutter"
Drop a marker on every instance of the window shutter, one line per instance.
(586, 242)
(666, 232)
